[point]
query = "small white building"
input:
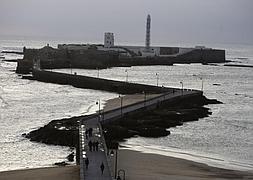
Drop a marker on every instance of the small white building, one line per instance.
(108, 40)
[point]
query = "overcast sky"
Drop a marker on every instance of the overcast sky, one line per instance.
(200, 21)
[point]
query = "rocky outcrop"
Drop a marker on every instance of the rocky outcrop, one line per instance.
(153, 123)
(58, 132)
(156, 123)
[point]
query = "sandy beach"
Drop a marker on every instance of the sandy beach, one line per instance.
(143, 166)
(138, 166)
(50, 173)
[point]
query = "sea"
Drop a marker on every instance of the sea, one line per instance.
(224, 139)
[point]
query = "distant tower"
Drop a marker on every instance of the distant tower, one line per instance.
(148, 33)
(108, 40)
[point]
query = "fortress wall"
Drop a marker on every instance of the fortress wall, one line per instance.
(202, 56)
(92, 58)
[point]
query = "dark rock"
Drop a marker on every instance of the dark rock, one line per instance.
(63, 163)
(51, 134)
(70, 157)
(153, 132)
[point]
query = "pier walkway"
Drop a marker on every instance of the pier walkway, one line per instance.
(96, 156)
(94, 122)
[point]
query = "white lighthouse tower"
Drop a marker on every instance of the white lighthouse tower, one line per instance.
(148, 34)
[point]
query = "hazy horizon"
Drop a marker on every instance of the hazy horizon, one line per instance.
(172, 21)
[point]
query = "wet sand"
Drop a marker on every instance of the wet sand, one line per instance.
(145, 166)
(138, 166)
(51, 173)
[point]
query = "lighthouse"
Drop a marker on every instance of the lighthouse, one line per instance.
(148, 33)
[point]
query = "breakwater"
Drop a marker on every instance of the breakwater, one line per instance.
(97, 83)
(124, 116)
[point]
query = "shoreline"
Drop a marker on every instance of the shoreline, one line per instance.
(150, 166)
(216, 162)
(137, 165)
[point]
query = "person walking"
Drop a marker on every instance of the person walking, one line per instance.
(90, 145)
(102, 167)
(87, 163)
(90, 132)
(96, 145)
(86, 134)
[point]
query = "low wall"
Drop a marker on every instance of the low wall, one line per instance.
(97, 83)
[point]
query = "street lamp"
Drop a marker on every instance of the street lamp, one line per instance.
(182, 86)
(145, 97)
(202, 84)
(126, 75)
(121, 104)
(98, 103)
(157, 78)
(116, 162)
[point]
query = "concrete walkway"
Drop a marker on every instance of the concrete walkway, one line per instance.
(95, 157)
(93, 121)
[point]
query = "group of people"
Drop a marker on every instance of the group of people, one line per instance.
(93, 146)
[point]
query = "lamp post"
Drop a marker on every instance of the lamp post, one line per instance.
(157, 78)
(70, 67)
(98, 103)
(182, 86)
(202, 84)
(116, 162)
(121, 104)
(145, 97)
(126, 75)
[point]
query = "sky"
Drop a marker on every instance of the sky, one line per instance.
(200, 21)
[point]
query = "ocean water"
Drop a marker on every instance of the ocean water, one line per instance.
(225, 139)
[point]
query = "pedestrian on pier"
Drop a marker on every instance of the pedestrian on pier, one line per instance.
(90, 132)
(86, 133)
(96, 145)
(87, 163)
(90, 145)
(102, 167)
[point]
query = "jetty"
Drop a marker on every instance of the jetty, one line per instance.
(101, 154)
(95, 121)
